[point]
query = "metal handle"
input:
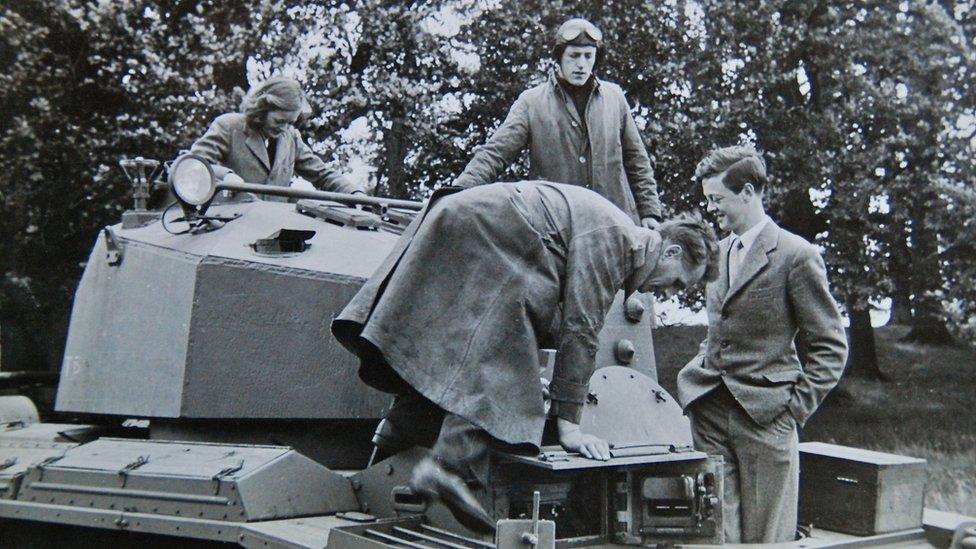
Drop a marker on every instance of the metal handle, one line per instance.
(848, 480)
(406, 500)
(532, 538)
(321, 195)
(113, 251)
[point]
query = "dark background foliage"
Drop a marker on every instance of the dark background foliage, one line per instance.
(864, 110)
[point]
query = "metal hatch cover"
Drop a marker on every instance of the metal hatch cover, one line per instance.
(237, 483)
(24, 446)
(626, 407)
(554, 458)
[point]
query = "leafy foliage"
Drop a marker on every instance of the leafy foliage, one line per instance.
(865, 112)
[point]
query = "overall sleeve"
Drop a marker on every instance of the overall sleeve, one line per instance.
(637, 164)
(214, 145)
(821, 328)
(501, 149)
(310, 166)
(597, 264)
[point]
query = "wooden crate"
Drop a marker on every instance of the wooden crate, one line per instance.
(860, 491)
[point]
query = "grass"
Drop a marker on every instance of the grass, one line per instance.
(927, 409)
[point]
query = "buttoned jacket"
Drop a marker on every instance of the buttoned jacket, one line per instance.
(233, 146)
(606, 154)
(780, 293)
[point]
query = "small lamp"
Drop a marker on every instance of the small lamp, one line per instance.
(141, 173)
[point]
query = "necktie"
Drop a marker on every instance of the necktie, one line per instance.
(735, 258)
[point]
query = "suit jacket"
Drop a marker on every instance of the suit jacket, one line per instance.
(780, 292)
(606, 154)
(232, 146)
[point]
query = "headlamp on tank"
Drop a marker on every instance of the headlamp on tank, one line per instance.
(193, 182)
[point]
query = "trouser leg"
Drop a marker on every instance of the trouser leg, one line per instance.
(412, 421)
(455, 442)
(769, 476)
(711, 433)
(463, 447)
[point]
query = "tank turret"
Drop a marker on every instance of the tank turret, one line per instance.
(210, 325)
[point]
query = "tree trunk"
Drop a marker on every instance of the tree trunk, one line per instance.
(901, 305)
(394, 141)
(862, 361)
(928, 325)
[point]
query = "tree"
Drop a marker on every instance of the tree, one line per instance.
(824, 89)
(856, 106)
(88, 83)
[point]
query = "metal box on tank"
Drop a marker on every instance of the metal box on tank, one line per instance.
(860, 491)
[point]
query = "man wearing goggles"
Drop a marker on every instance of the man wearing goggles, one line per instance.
(572, 29)
(578, 130)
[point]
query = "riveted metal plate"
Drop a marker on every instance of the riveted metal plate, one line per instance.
(628, 407)
(24, 446)
(224, 482)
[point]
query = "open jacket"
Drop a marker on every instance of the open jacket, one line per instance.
(606, 154)
(458, 308)
(232, 146)
(779, 293)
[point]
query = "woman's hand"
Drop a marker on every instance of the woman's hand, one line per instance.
(574, 440)
(232, 177)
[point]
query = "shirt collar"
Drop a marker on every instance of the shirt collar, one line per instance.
(749, 237)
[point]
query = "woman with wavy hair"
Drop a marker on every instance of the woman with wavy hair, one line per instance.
(260, 144)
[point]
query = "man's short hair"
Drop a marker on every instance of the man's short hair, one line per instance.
(741, 164)
(279, 93)
(697, 240)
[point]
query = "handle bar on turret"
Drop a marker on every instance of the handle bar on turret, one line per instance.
(193, 181)
(345, 198)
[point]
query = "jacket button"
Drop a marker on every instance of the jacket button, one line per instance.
(575, 124)
(582, 160)
(725, 344)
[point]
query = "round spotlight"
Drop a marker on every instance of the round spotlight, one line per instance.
(192, 180)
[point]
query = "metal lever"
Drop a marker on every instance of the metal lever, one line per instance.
(43, 464)
(532, 538)
(124, 472)
(226, 472)
(406, 500)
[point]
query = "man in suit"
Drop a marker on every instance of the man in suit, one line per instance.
(261, 145)
(747, 391)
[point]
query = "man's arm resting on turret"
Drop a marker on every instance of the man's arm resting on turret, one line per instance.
(640, 171)
(594, 273)
(501, 149)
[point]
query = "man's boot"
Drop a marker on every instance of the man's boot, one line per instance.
(432, 480)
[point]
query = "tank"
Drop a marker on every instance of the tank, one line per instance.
(210, 406)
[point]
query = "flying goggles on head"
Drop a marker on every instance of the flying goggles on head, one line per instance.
(579, 32)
